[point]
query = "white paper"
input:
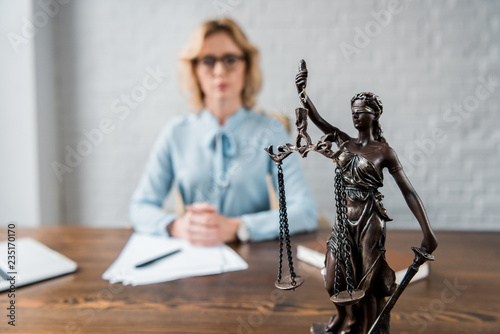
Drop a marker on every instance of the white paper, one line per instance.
(190, 261)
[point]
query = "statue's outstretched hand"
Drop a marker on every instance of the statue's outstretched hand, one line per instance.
(301, 77)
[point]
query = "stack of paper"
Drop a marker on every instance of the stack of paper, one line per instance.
(190, 261)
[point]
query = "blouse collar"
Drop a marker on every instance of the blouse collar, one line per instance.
(216, 132)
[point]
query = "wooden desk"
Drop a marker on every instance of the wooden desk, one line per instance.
(461, 295)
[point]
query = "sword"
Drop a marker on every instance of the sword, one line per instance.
(420, 258)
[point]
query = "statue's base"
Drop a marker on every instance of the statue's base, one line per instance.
(318, 328)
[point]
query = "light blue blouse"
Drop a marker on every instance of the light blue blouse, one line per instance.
(226, 166)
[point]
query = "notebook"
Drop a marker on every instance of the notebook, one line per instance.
(34, 262)
(313, 253)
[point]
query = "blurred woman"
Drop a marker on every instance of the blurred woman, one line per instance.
(216, 154)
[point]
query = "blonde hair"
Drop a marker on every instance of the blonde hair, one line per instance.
(187, 75)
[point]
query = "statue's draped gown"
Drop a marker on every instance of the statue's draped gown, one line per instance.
(366, 229)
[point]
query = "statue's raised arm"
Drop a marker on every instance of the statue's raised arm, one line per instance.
(320, 122)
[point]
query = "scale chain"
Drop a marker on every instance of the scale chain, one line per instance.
(284, 231)
(280, 186)
(343, 244)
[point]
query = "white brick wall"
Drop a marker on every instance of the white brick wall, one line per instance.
(429, 56)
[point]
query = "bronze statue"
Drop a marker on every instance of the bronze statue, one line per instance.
(358, 278)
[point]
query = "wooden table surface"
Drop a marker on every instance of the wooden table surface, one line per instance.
(462, 294)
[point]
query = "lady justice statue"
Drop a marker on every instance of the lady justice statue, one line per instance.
(358, 278)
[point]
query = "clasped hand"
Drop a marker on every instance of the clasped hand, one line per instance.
(201, 225)
(301, 81)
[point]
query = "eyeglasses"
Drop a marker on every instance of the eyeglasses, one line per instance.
(229, 61)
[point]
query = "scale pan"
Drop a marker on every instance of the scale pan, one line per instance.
(345, 299)
(286, 283)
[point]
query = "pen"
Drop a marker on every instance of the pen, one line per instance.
(147, 263)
